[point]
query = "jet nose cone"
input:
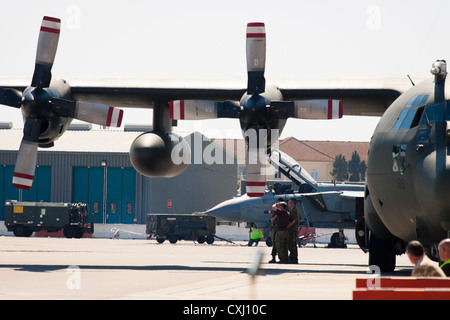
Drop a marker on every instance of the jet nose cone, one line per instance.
(228, 210)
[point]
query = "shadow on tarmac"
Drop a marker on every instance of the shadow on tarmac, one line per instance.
(274, 270)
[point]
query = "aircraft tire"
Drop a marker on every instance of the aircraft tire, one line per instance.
(336, 241)
(381, 253)
(160, 240)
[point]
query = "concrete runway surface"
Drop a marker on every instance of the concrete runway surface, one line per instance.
(59, 268)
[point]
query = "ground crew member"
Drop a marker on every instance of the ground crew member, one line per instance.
(283, 221)
(293, 231)
(274, 232)
(256, 234)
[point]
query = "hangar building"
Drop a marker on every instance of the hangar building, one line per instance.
(93, 166)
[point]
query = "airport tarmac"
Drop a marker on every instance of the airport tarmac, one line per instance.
(59, 268)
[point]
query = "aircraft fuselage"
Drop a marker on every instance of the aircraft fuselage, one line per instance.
(408, 168)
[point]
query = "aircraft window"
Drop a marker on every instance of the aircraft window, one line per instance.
(424, 100)
(433, 113)
(400, 119)
(417, 117)
(408, 119)
(417, 101)
(411, 101)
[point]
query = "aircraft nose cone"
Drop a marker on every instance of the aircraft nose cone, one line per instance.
(228, 211)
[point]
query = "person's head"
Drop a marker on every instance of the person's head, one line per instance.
(282, 205)
(444, 249)
(280, 200)
(415, 251)
(292, 203)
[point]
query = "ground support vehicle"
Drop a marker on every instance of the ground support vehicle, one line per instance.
(24, 218)
(174, 227)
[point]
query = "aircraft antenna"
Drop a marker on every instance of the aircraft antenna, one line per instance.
(410, 80)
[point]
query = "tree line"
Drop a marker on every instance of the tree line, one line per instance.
(353, 170)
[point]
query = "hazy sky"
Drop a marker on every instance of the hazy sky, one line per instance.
(206, 39)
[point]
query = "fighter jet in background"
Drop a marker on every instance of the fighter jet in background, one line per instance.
(322, 205)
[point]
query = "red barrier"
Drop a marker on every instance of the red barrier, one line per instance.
(402, 288)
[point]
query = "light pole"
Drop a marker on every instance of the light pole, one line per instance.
(105, 180)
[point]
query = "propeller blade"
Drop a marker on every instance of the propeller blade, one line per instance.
(308, 109)
(256, 57)
(10, 97)
(26, 158)
(318, 109)
(203, 109)
(256, 179)
(89, 112)
(99, 114)
(46, 51)
(256, 162)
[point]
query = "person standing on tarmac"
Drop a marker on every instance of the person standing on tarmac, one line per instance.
(274, 231)
(293, 231)
(283, 221)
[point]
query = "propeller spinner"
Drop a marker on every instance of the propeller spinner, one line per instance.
(48, 107)
(262, 111)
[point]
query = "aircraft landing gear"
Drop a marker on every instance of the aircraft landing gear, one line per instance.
(382, 253)
(338, 240)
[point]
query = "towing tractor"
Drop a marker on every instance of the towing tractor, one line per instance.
(24, 218)
(174, 227)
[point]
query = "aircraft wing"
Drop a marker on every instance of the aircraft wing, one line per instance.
(367, 97)
(142, 94)
(351, 195)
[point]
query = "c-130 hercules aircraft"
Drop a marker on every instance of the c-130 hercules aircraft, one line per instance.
(406, 194)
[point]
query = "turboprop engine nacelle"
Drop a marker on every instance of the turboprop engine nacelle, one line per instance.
(157, 154)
